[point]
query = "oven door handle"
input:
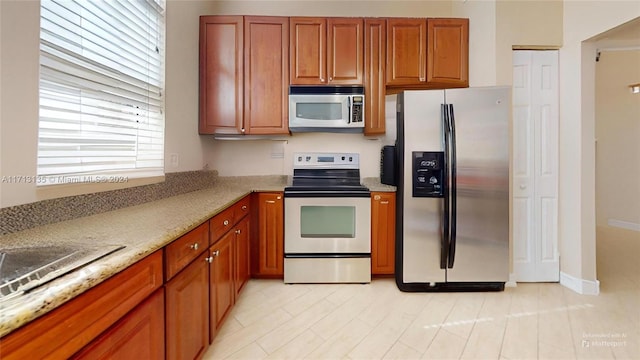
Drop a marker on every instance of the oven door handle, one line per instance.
(326, 194)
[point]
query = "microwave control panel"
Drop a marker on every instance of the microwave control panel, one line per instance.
(428, 174)
(357, 108)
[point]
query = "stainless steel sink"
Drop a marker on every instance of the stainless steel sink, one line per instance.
(23, 269)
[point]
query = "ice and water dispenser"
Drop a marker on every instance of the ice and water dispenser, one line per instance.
(428, 174)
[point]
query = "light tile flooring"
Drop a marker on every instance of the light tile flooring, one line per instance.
(377, 321)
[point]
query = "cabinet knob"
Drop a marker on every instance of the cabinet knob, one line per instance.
(225, 223)
(377, 197)
(523, 186)
(195, 246)
(330, 78)
(216, 253)
(321, 79)
(422, 79)
(279, 197)
(209, 259)
(244, 207)
(238, 231)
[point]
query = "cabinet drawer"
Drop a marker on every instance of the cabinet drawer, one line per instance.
(182, 251)
(221, 223)
(241, 208)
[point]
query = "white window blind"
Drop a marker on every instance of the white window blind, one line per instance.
(101, 90)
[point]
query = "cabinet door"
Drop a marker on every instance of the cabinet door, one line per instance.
(344, 51)
(221, 283)
(139, 335)
(270, 235)
(374, 67)
(187, 312)
(221, 74)
(308, 40)
(266, 75)
(242, 269)
(406, 51)
(383, 232)
(448, 52)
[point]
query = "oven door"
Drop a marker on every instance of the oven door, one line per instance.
(327, 225)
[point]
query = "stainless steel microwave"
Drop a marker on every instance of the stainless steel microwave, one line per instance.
(326, 108)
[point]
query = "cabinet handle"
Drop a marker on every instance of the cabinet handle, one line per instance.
(279, 197)
(330, 78)
(270, 202)
(209, 259)
(216, 253)
(225, 223)
(421, 79)
(384, 202)
(377, 197)
(195, 246)
(244, 207)
(238, 231)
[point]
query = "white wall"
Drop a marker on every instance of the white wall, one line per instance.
(618, 139)
(582, 20)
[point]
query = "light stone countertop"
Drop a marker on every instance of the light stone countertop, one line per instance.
(143, 229)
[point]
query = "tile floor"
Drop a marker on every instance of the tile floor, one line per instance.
(376, 321)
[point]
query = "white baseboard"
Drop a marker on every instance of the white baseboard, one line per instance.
(581, 286)
(624, 224)
(512, 281)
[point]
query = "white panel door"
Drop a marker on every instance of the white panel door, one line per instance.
(535, 166)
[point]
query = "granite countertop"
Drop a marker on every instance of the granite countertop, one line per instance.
(143, 229)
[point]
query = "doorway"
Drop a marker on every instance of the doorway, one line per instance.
(535, 166)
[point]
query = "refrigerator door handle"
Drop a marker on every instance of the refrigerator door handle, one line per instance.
(444, 237)
(453, 192)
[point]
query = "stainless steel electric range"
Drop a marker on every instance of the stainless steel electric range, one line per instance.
(327, 237)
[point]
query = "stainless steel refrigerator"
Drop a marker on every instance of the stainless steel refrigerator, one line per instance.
(452, 153)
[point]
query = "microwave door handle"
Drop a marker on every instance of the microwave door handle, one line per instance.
(349, 109)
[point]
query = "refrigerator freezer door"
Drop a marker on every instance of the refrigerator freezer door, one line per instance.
(482, 137)
(419, 125)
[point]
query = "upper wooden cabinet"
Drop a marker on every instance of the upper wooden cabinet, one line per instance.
(406, 51)
(221, 74)
(326, 51)
(374, 84)
(431, 53)
(448, 52)
(244, 78)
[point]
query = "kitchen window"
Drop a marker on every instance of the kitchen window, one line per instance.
(101, 90)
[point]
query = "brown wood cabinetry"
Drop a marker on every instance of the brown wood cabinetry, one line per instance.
(139, 335)
(267, 247)
(187, 310)
(185, 249)
(383, 232)
(375, 56)
(406, 51)
(326, 51)
(266, 75)
(229, 260)
(67, 329)
(221, 75)
(222, 288)
(244, 75)
(448, 52)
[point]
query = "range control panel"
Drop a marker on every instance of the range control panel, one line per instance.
(428, 174)
(326, 161)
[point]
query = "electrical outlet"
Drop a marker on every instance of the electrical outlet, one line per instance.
(174, 160)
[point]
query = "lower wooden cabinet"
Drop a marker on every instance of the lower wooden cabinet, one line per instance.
(187, 311)
(267, 247)
(242, 269)
(139, 335)
(383, 233)
(221, 287)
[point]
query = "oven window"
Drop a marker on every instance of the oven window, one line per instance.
(328, 221)
(319, 111)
